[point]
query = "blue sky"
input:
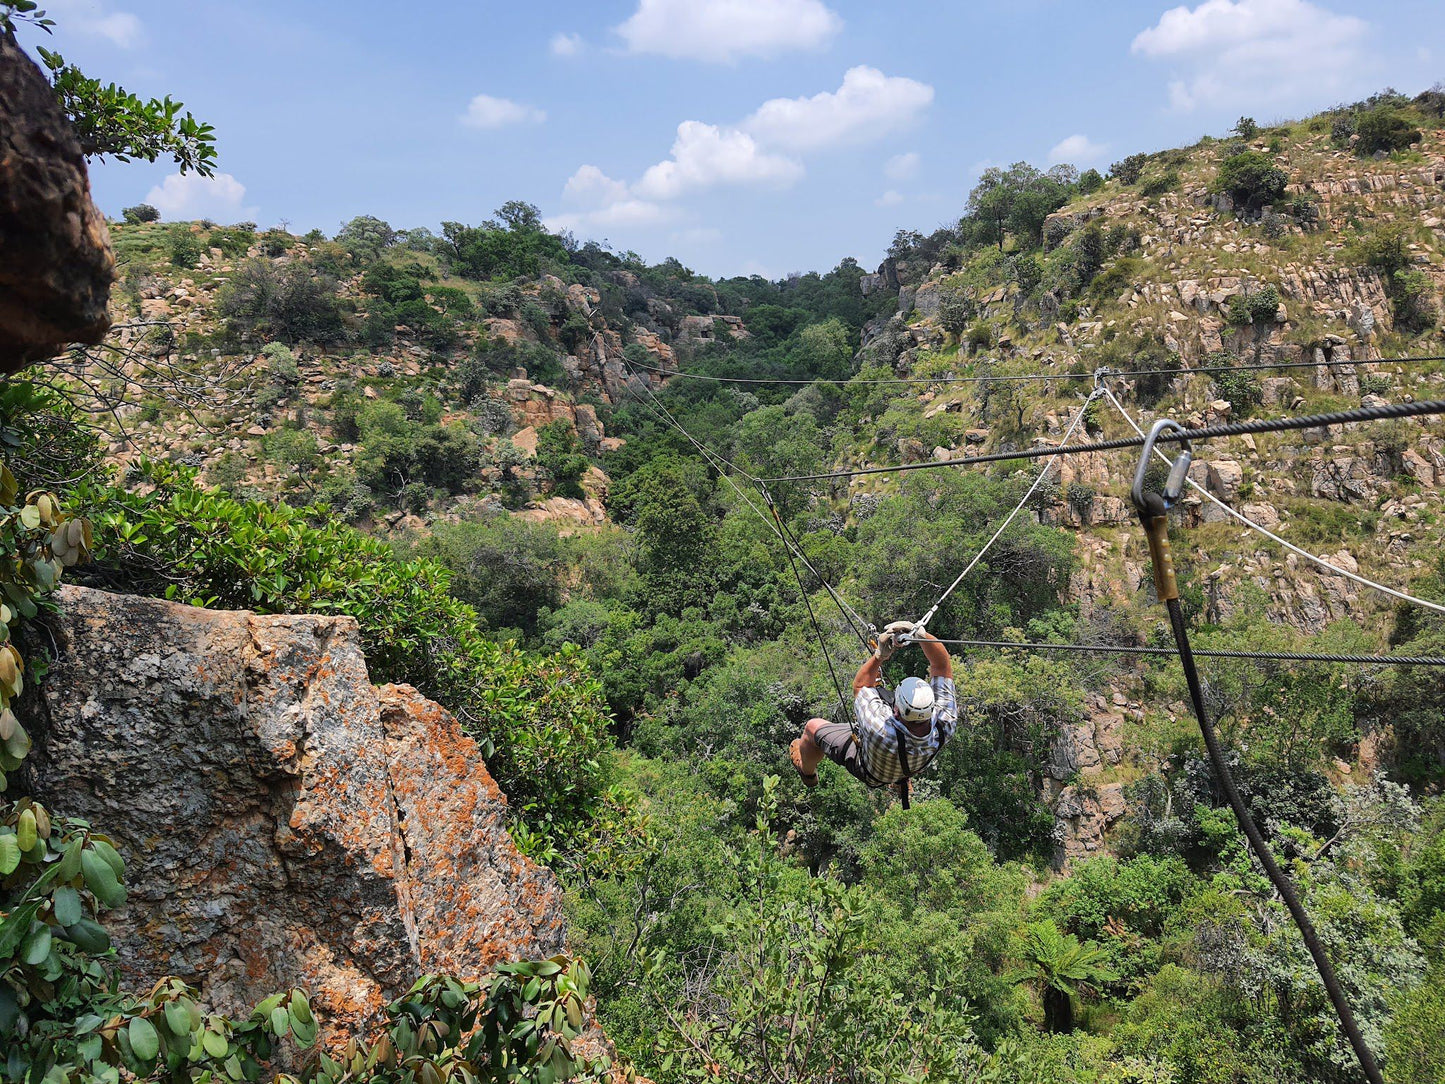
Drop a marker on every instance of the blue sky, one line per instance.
(741, 136)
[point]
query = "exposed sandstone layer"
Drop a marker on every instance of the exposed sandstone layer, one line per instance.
(55, 260)
(284, 823)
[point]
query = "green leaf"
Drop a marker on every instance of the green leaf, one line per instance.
(300, 1009)
(100, 879)
(280, 1021)
(178, 1019)
(214, 1043)
(89, 936)
(143, 1038)
(65, 902)
(36, 947)
(9, 854)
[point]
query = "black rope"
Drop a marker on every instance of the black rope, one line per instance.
(1006, 377)
(1276, 876)
(817, 629)
(790, 540)
(1267, 656)
(1212, 432)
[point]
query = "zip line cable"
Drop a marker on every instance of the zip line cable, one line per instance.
(1048, 465)
(1264, 656)
(1242, 518)
(854, 621)
(1212, 432)
(1007, 378)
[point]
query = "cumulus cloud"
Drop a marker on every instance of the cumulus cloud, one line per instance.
(725, 30)
(891, 198)
(186, 196)
(704, 155)
(902, 167)
(485, 111)
(1257, 53)
(566, 44)
(1076, 149)
(624, 212)
(868, 105)
(590, 186)
(91, 18)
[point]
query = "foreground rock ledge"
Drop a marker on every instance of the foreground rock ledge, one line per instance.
(284, 823)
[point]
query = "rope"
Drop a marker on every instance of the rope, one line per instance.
(817, 630)
(1242, 518)
(779, 529)
(1267, 656)
(855, 382)
(1212, 432)
(1276, 876)
(1073, 425)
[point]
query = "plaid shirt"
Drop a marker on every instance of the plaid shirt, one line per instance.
(878, 738)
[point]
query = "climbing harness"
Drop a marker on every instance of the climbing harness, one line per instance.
(1153, 509)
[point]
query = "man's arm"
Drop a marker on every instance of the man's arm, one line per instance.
(940, 663)
(869, 675)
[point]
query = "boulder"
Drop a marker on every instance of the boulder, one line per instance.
(284, 823)
(56, 264)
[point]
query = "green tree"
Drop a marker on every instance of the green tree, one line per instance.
(1382, 130)
(1251, 180)
(1063, 968)
(667, 503)
(141, 212)
(559, 454)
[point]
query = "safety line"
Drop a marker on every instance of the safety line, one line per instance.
(1267, 656)
(1006, 378)
(1048, 465)
(854, 621)
(1242, 518)
(1309, 421)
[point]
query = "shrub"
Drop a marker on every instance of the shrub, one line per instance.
(1240, 387)
(1383, 130)
(185, 249)
(1090, 181)
(292, 304)
(1274, 226)
(1160, 183)
(281, 363)
(1341, 129)
(559, 454)
(1251, 180)
(1129, 170)
(1260, 307)
(1245, 128)
(141, 212)
(956, 311)
(1305, 207)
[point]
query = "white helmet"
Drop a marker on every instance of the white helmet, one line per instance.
(913, 700)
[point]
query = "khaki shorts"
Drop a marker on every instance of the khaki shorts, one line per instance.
(840, 746)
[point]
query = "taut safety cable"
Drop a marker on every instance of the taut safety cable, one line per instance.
(1211, 432)
(1006, 377)
(1265, 656)
(1048, 465)
(1242, 518)
(714, 458)
(1153, 509)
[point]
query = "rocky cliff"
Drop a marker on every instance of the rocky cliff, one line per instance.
(283, 822)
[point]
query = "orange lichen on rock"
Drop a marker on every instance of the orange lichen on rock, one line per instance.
(284, 823)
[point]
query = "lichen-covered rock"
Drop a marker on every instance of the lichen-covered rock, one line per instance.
(283, 822)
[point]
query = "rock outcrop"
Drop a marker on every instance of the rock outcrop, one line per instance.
(283, 821)
(55, 260)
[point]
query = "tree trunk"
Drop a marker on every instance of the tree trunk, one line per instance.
(55, 260)
(1058, 1010)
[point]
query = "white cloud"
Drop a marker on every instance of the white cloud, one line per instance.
(485, 111)
(590, 186)
(1076, 150)
(868, 105)
(566, 44)
(704, 155)
(902, 167)
(891, 198)
(724, 30)
(625, 212)
(89, 17)
(183, 197)
(1262, 54)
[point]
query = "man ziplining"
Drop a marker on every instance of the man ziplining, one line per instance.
(887, 744)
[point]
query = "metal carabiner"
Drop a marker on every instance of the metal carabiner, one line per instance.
(1150, 505)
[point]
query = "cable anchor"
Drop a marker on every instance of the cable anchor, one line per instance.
(1153, 508)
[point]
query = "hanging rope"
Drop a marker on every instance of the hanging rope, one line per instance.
(1242, 518)
(1048, 465)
